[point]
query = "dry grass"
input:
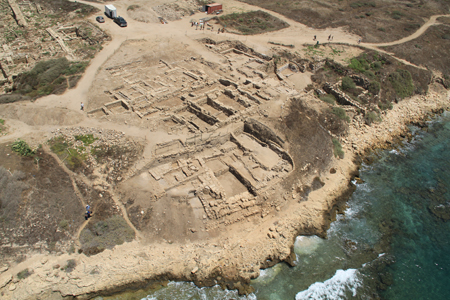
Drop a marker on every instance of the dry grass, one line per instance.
(253, 22)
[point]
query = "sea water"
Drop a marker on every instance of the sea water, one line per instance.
(392, 242)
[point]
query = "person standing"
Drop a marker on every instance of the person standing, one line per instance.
(82, 106)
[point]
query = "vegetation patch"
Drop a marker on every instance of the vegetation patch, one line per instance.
(105, 235)
(372, 117)
(374, 87)
(133, 7)
(2, 125)
(402, 83)
(73, 157)
(253, 22)
(87, 139)
(337, 148)
(347, 84)
(24, 274)
(47, 77)
(362, 4)
(70, 265)
(328, 98)
(21, 147)
(385, 105)
(340, 113)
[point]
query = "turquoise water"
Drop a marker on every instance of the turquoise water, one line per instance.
(392, 242)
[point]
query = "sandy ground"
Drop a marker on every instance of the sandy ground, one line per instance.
(235, 256)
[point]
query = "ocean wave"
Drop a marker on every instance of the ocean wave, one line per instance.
(336, 287)
(188, 290)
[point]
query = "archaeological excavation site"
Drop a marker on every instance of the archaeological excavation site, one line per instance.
(221, 160)
(194, 146)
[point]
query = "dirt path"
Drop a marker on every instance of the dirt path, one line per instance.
(71, 175)
(74, 176)
(432, 21)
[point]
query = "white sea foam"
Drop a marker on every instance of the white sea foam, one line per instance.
(393, 151)
(333, 288)
(306, 244)
(269, 274)
(188, 290)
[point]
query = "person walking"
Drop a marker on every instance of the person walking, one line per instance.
(82, 106)
(87, 215)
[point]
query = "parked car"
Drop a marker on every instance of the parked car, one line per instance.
(100, 19)
(120, 21)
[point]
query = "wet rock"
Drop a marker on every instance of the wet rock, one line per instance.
(291, 259)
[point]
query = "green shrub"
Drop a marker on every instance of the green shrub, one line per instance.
(76, 68)
(374, 87)
(376, 65)
(372, 117)
(347, 84)
(402, 83)
(359, 64)
(385, 106)
(21, 147)
(24, 274)
(369, 74)
(340, 113)
(328, 98)
(70, 265)
(397, 14)
(337, 149)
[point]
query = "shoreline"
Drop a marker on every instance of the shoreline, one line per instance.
(137, 264)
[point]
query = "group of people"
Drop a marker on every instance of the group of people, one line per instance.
(203, 25)
(330, 38)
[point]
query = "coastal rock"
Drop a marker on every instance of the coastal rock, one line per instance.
(3, 269)
(5, 280)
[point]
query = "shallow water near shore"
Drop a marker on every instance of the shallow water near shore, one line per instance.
(392, 241)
